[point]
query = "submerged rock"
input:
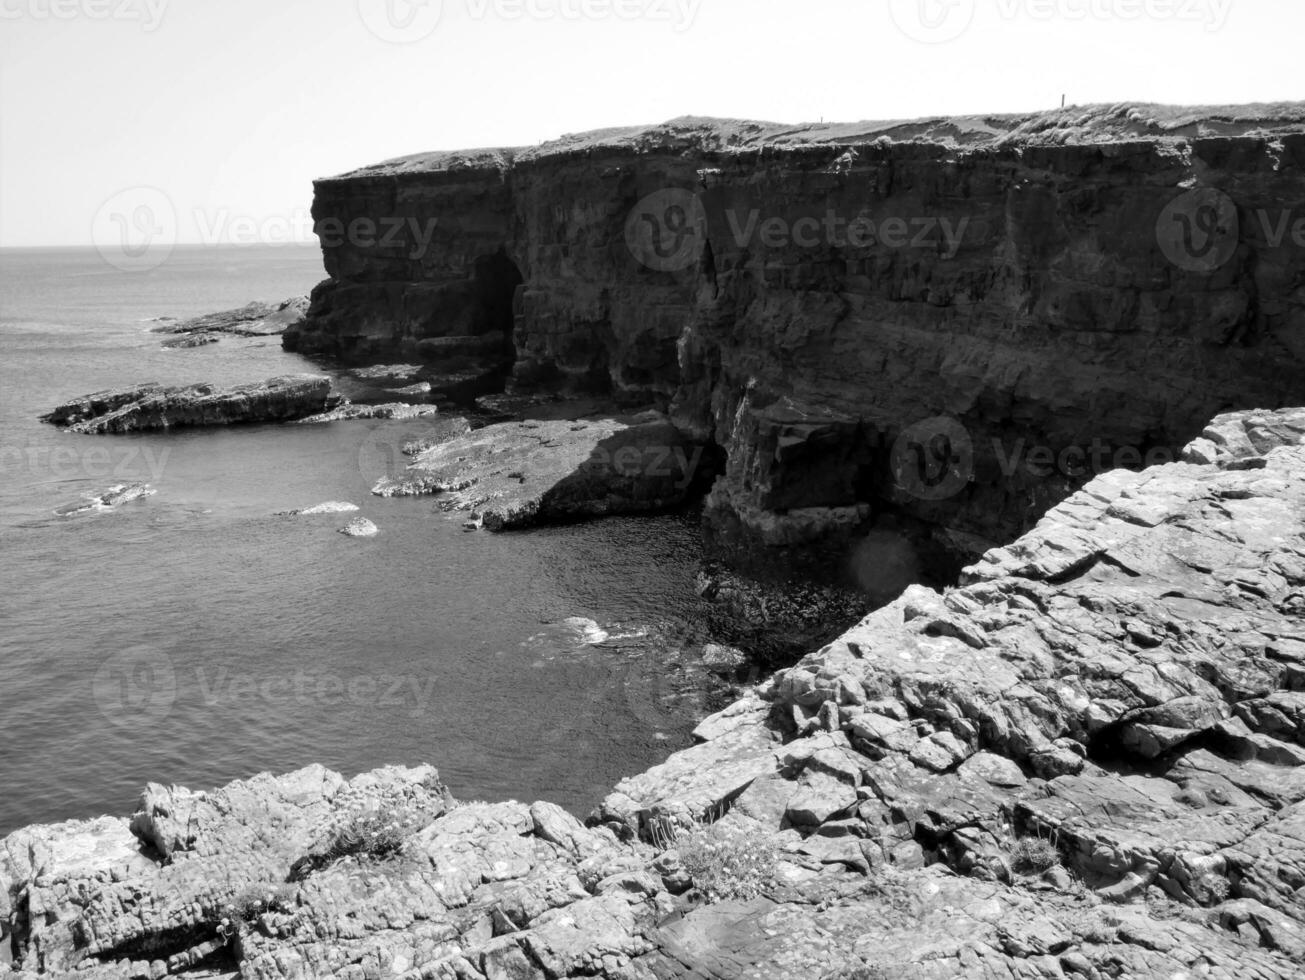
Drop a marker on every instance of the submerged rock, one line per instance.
(330, 507)
(521, 473)
(191, 340)
(360, 527)
(108, 499)
(154, 406)
(348, 413)
(722, 659)
(776, 622)
(386, 375)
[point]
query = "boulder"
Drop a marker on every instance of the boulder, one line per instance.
(360, 527)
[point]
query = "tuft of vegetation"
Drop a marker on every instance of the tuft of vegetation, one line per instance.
(663, 832)
(377, 834)
(255, 900)
(248, 904)
(726, 863)
(1033, 856)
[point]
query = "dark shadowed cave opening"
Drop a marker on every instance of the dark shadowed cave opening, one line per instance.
(495, 279)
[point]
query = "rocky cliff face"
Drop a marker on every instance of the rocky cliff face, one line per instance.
(955, 322)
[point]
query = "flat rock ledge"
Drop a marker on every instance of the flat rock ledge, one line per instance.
(257, 319)
(1086, 761)
(154, 406)
(516, 474)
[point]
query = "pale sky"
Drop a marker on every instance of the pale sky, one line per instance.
(230, 108)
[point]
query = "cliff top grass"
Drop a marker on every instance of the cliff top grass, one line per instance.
(1073, 125)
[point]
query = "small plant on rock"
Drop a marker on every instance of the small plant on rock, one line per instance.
(1033, 856)
(377, 834)
(726, 862)
(252, 902)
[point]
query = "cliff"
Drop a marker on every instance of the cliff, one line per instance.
(952, 322)
(1086, 761)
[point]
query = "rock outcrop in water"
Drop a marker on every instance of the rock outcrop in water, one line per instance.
(121, 493)
(360, 527)
(857, 313)
(257, 319)
(1088, 761)
(154, 406)
(516, 474)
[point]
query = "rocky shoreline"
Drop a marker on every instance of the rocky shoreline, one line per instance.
(1082, 756)
(1086, 760)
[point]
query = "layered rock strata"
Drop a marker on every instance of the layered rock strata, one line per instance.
(957, 321)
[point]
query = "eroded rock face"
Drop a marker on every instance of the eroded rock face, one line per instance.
(1026, 280)
(155, 406)
(1122, 682)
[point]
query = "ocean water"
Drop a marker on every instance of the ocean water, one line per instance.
(193, 637)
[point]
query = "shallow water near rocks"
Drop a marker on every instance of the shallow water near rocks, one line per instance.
(194, 637)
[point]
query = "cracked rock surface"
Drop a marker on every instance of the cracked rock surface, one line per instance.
(1084, 761)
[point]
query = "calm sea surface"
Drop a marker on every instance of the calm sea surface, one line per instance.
(194, 637)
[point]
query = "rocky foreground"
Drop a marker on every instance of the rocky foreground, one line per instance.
(1087, 760)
